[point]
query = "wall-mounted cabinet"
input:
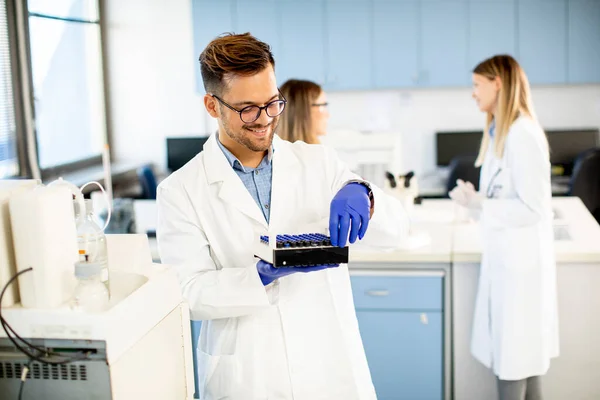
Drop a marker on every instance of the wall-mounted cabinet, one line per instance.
(385, 44)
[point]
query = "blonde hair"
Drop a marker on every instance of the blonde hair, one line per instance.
(296, 122)
(514, 101)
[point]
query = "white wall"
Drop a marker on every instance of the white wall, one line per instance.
(417, 114)
(151, 77)
(151, 72)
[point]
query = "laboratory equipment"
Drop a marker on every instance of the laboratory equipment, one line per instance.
(8, 188)
(45, 239)
(91, 240)
(139, 348)
(75, 191)
(91, 293)
(368, 155)
(405, 188)
(301, 250)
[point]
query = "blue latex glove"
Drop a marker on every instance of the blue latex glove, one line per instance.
(350, 209)
(268, 273)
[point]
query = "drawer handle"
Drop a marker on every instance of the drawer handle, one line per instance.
(377, 293)
(424, 319)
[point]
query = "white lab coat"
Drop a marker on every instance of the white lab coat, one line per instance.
(515, 328)
(296, 338)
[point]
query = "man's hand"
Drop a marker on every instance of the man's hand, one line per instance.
(268, 273)
(350, 211)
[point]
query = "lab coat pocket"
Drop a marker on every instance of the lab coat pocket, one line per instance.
(218, 376)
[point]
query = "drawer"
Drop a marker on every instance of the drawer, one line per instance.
(397, 292)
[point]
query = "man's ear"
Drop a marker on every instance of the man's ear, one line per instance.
(210, 103)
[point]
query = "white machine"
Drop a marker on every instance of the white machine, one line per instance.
(139, 348)
(9, 188)
(367, 154)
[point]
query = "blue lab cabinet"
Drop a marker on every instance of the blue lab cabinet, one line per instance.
(584, 41)
(542, 40)
(195, 328)
(385, 44)
(401, 325)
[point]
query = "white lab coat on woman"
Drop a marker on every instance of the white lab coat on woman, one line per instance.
(298, 337)
(517, 283)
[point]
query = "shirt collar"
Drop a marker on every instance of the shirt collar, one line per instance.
(236, 164)
(492, 128)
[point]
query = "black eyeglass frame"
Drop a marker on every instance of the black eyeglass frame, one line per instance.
(320, 104)
(282, 100)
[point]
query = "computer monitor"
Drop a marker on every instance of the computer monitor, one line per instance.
(180, 150)
(453, 144)
(567, 144)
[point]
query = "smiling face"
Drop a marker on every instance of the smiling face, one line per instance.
(485, 92)
(242, 91)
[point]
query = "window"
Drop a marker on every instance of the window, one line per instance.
(68, 86)
(9, 165)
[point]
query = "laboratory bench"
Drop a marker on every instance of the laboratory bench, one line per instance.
(415, 307)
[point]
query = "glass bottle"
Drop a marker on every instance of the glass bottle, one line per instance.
(92, 241)
(91, 295)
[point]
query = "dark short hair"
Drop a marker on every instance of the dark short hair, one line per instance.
(231, 54)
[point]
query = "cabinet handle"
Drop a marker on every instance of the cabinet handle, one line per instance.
(424, 319)
(377, 293)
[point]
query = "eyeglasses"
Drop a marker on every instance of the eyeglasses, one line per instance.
(320, 104)
(251, 113)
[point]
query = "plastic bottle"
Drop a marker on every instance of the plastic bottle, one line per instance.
(91, 241)
(91, 295)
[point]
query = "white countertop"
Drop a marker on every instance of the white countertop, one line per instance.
(449, 239)
(432, 225)
(454, 240)
(583, 245)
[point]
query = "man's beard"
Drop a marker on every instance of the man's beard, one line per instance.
(246, 141)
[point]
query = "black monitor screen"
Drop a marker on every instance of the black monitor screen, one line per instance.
(180, 150)
(453, 144)
(566, 145)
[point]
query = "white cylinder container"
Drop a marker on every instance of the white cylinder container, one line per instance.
(45, 239)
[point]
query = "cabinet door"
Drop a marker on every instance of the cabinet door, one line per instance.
(542, 38)
(349, 57)
(262, 20)
(584, 41)
(209, 20)
(404, 352)
(492, 27)
(444, 43)
(302, 51)
(395, 44)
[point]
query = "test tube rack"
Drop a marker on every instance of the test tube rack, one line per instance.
(303, 250)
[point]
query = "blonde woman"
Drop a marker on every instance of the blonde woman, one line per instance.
(515, 327)
(306, 115)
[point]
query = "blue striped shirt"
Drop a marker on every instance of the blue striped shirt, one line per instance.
(257, 180)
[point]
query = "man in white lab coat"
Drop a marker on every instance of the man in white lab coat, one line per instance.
(267, 333)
